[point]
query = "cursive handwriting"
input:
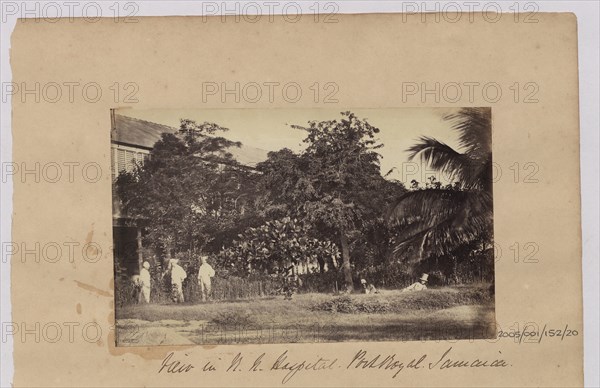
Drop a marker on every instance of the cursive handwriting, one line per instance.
(392, 362)
(445, 362)
(388, 362)
(295, 367)
(174, 366)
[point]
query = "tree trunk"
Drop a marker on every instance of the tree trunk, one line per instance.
(422, 247)
(346, 261)
(167, 256)
(332, 263)
(455, 268)
(139, 248)
(321, 264)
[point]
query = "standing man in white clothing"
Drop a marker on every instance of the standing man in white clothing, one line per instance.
(205, 273)
(144, 281)
(178, 275)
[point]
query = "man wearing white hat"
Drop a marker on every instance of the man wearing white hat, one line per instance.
(418, 286)
(205, 273)
(144, 281)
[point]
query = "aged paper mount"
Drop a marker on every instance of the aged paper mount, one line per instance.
(468, 281)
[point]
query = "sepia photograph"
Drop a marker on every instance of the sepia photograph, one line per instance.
(282, 225)
(299, 194)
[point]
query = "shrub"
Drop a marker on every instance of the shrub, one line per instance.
(347, 304)
(125, 290)
(231, 288)
(233, 318)
(390, 276)
(322, 282)
(431, 299)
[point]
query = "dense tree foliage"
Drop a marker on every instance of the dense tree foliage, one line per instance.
(335, 185)
(327, 206)
(276, 245)
(441, 221)
(191, 194)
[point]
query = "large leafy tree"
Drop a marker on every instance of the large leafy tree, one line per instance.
(285, 183)
(335, 185)
(439, 220)
(274, 244)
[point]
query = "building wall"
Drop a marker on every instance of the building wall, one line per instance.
(125, 244)
(124, 158)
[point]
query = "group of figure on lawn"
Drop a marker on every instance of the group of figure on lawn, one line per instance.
(290, 286)
(177, 274)
(291, 282)
(369, 288)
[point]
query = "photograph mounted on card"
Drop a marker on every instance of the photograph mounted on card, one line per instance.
(242, 225)
(420, 226)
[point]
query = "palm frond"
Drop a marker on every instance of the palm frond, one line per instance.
(448, 217)
(441, 157)
(445, 236)
(475, 133)
(438, 221)
(431, 204)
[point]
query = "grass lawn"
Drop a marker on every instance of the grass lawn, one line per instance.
(436, 314)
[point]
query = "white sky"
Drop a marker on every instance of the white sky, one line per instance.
(268, 129)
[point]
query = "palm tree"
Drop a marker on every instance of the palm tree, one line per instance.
(437, 221)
